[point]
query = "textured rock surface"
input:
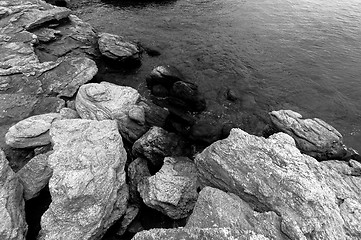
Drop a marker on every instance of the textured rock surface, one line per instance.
(137, 171)
(116, 48)
(12, 213)
(272, 175)
(172, 190)
(215, 209)
(198, 233)
(130, 214)
(156, 144)
(164, 75)
(32, 131)
(88, 187)
(35, 175)
(313, 137)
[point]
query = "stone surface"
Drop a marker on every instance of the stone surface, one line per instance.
(68, 113)
(156, 144)
(12, 212)
(313, 137)
(116, 48)
(130, 214)
(187, 96)
(271, 174)
(88, 186)
(164, 75)
(172, 190)
(137, 171)
(32, 131)
(35, 175)
(197, 233)
(215, 209)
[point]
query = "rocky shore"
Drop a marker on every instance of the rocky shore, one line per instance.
(83, 159)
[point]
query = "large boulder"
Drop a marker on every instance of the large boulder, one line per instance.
(172, 190)
(215, 209)
(314, 202)
(87, 188)
(12, 207)
(313, 137)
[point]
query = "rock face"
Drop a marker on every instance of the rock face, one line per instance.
(12, 213)
(35, 175)
(197, 233)
(313, 137)
(156, 144)
(88, 184)
(215, 209)
(172, 190)
(116, 48)
(271, 174)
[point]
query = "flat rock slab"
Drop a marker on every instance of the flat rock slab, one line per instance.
(88, 186)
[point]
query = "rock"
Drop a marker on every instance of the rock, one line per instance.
(31, 132)
(197, 233)
(313, 137)
(160, 91)
(164, 75)
(189, 96)
(12, 208)
(88, 186)
(154, 115)
(35, 175)
(156, 144)
(46, 34)
(137, 114)
(217, 209)
(129, 216)
(172, 190)
(272, 175)
(206, 131)
(68, 113)
(137, 171)
(116, 48)
(231, 95)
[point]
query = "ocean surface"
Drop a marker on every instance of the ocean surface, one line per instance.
(303, 55)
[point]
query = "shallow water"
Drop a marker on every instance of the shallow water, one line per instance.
(303, 55)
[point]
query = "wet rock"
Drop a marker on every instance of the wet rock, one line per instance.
(164, 75)
(206, 131)
(197, 233)
(32, 131)
(159, 91)
(12, 213)
(137, 171)
(313, 137)
(156, 144)
(154, 115)
(272, 175)
(189, 96)
(172, 190)
(88, 186)
(35, 175)
(217, 209)
(116, 48)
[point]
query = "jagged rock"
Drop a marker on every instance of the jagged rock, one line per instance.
(172, 190)
(272, 175)
(88, 186)
(164, 75)
(215, 209)
(12, 207)
(110, 101)
(198, 233)
(35, 175)
(137, 171)
(313, 137)
(32, 131)
(116, 48)
(130, 214)
(156, 144)
(17, 54)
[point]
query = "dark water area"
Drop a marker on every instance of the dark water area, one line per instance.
(302, 55)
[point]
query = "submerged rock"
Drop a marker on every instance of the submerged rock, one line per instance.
(12, 207)
(272, 175)
(172, 190)
(88, 186)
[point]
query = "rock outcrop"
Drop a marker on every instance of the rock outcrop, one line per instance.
(272, 175)
(12, 207)
(88, 186)
(172, 190)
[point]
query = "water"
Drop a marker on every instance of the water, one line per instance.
(303, 55)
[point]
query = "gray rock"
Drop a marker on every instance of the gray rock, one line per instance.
(137, 171)
(130, 214)
(35, 175)
(68, 113)
(272, 175)
(313, 137)
(164, 75)
(46, 34)
(137, 114)
(156, 144)
(32, 131)
(88, 186)
(116, 48)
(215, 209)
(12, 208)
(198, 233)
(172, 190)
